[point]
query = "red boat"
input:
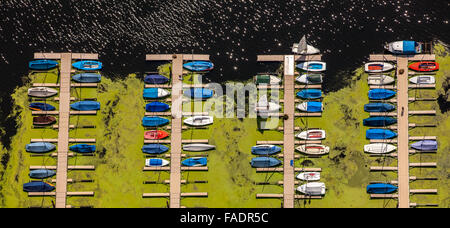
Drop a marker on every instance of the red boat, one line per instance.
(155, 135)
(425, 66)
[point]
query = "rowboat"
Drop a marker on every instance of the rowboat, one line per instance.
(379, 121)
(266, 150)
(195, 162)
(41, 174)
(155, 93)
(157, 107)
(378, 107)
(38, 186)
(43, 64)
(310, 94)
(87, 78)
(199, 66)
(40, 147)
(380, 134)
(199, 93)
(154, 121)
(313, 189)
(424, 66)
(86, 106)
(198, 147)
(379, 148)
(381, 189)
(313, 66)
(41, 107)
(310, 79)
(44, 120)
(267, 79)
(404, 47)
(309, 176)
(314, 149)
(312, 135)
(425, 145)
(156, 135)
(155, 79)
(310, 107)
(156, 162)
(83, 148)
(265, 162)
(381, 94)
(423, 80)
(154, 149)
(198, 121)
(42, 92)
(302, 48)
(378, 67)
(88, 65)
(380, 80)
(264, 107)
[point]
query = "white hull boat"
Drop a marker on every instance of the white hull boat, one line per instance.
(314, 149)
(379, 148)
(310, 80)
(380, 80)
(309, 176)
(198, 121)
(378, 67)
(302, 48)
(313, 189)
(265, 106)
(156, 162)
(313, 66)
(312, 135)
(198, 147)
(423, 80)
(42, 92)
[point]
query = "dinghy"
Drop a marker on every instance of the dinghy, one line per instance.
(43, 64)
(267, 79)
(313, 189)
(313, 66)
(264, 106)
(310, 94)
(380, 80)
(41, 174)
(155, 93)
(265, 162)
(310, 107)
(378, 107)
(426, 145)
(156, 135)
(195, 162)
(309, 176)
(380, 134)
(381, 189)
(199, 121)
(154, 149)
(310, 79)
(43, 92)
(156, 162)
(154, 121)
(198, 66)
(41, 107)
(266, 150)
(40, 147)
(381, 94)
(83, 148)
(423, 80)
(86, 106)
(155, 79)
(199, 93)
(157, 107)
(38, 186)
(378, 67)
(314, 149)
(380, 121)
(424, 66)
(312, 135)
(44, 120)
(404, 47)
(87, 78)
(379, 148)
(302, 48)
(88, 65)
(198, 147)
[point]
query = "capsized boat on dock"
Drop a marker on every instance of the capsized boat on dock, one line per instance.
(199, 121)
(378, 67)
(378, 107)
(313, 189)
(310, 79)
(43, 64)
(312, 66)
(155, 93)
(156, 135)
(199, 66)
(379, 121)
(155, 79)
(381, 188)
(88, 65)
(380, 134)
(41, 107)
(379, 148)
(154, 149)
(86, 106)
(423, 80)
(426, 66)
(425, 145)
(83, 148)
(41, 174)
(404, 47)
(40, 147)
(198, 147)
(381, 94)
(87, 78)
(309, 176)
(195, 162)
(38, 186)
(266, 150)
(265, 162)
(314, 149)
(310, 107)
(44, 120)
(42, 92)
(312, 135)
(380, 80)
(156, 162)
(154, 121)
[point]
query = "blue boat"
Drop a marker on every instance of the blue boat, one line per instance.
(310, 94)
(154, 121)
(41, 107)
(87, 78)
(40, 147)
(43, 64)
(38, 186)
(404, 47)
(195, 162)
(380, 134)
(425, 145)
(265, 162)
(311, 106)
(157, 107)
(42, 174)
(266, 150)
(379, 121)
(199, 93)
(83, 148)
(199, 66)
(88, 65)
(378, 107)
(155, 93)
(381, 94)
(155, 79)
(381, 189)
(86, 106)
(154, 149)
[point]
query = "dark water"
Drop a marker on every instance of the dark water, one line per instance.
(232, 31)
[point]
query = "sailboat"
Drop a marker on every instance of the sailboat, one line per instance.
(303, 48)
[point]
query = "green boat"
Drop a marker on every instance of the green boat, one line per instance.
(310, 79)
(267, 79)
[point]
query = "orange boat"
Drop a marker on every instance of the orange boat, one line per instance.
(155, 135)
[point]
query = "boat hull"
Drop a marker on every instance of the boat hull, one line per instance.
(43, 64)
(87, 78)
(312, 135)
(309, 176)
(405, 47)
(156, 162)
(154, 149)
(41, 174)
(423, 80)
(199, 66)
(154, 121)
(381, 189)
(42, 92)
(378, 107)
(265, 162)
(195, 162)
(379, 148)
(381, 94)
(44, 120)
(83, 148)
(378, 67)
(379, 121)
(312, 107)
(314, 149)
(380, 80)
(198, 121)
(313, 189)
(265, 150)
(380, 134)
(156, 79)
(267, 79)
(40, 147)
(155, 93)
(425, 66)
(156, 135)
(41, 107)
(88, 65)
(199, 93)
(157, 107)
(38, 187)
(86, 106)
(313, 66)
(310, 79)
(426, 145)
(198, 147)
(310, 94)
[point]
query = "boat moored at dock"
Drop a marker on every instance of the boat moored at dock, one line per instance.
(380, 121)
(154, 149)
(425, 145)
(83, 148)
(88, 65)
(157, 107)
(313, 189)
(265, 162)
(38, 186)
(156, 162)
(309, 176)
(310, 107)
(86, 106)
(195, 162)
(267, 79)
(380, 80)
(42, 92)
(378, 107)
(41, 174)
(379, 148)
(154, 121)
(155, 93)
(41, 107)
(198, 147)
(87, 78)
(404, 47)
(266, 150)
(310, 79)
(312, 135)
(423, 80)
(426, 66)
(378, 67)
(155, 79)
(381, 94)
(310, 94)
(40, 147)
(199, 66)
(381, 188)
(199, 93)
(314, 149)
(44, 120)
(380, 134)
(43, 64)
(313, 66)
(156, 135)
(199, 121)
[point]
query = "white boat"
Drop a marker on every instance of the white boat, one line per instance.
(312, 135)
(380, 80)
(309, 176)
(423, 80)
(163, 93)
(310, 79)
(379, 148)
(198, 121)
(42, 92)
(302, 48)
(198, 147)
(313, 189)
(404, 47)
(156, 162)
(313, 66)
(307, 107)
(265, 106)
(314, 149)
(378, 67)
